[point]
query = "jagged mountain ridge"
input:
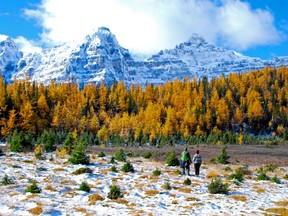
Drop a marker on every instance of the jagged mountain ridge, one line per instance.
(100, 58)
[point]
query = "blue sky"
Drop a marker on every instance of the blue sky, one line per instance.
(255, 28)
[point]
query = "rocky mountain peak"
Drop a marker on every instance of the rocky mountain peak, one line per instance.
(99, 58)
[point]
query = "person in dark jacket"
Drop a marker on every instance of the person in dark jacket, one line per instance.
(197, 160)
(185, 161)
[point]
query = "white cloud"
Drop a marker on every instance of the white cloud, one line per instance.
(151, 25)
(26, 45)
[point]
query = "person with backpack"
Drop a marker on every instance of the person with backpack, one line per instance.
(197, 160)
(185, 161)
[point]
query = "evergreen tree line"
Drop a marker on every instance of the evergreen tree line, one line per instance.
(239, 108)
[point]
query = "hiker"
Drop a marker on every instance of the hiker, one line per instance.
(185, 161)
(197, 160)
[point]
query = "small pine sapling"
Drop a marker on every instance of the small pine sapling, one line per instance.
(115, 192)
(33, 188)
(85, 187)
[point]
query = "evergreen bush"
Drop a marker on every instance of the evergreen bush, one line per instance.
(79, 156)
(114, 169)
(16, 144)
(49, 139)
(69, 143)
(120, 155)
(1, 152)
(213, 160)
(147, 155)
(218, 187)
(187, 181)
(286, 177)
(6, 180)
(156, 172)
(172, 160)
(227, 169)
(101, 154)
(166, 186)
(223, 157)
(85, 187)
(276, 179)
(33, 188)
(112, 160)
(115, 192)
(82, 170)
(270, 167)
(128, 167)
(263, 177)
(237, 176)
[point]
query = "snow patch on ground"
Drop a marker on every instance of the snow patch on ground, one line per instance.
(143, 192)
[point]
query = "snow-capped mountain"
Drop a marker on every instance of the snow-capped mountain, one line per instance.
(99, 58)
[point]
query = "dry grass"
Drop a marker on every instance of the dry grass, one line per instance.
(31, 196)
(49, 187)
(120, 201)
(36, 211)
(151, 192)
(83, 210)
(60, 169)
(278, 211)
(175, 202)
(212, 174)
(282, 203)
(190, 199)
(144, 177)
(258, 189)
(185, 190)
(93, 198)
(239, 198)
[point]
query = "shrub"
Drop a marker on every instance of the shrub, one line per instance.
(16, 142)
(69, 142)
(115, 192)
(82, 170)
(237, 176)
(172, 160)
(6, 180)
(1, 152)
(101, 154)
(275, 179)
(49, 139)
(213, 160)
(38, 152)
(286, 177)
(112, 160)
(166, 186)
(218, 187)
(33, 188)
(223, 157)
(114, 169)
(227, 169)
(85, 187)
(128, 167)
(243, 170)
(187, 181)
(270, 167)
(156, 172)
(120, 155)
(147, 155)
(262, 177)
(79, 156)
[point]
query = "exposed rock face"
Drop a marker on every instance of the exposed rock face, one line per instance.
(99, 58)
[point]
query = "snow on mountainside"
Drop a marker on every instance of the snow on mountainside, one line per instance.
(99, 58)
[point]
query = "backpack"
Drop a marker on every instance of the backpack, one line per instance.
(184, 156)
